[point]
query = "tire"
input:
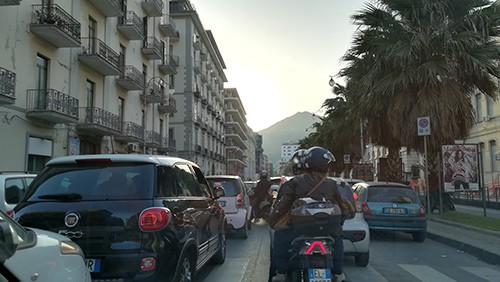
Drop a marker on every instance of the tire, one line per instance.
(243, 231)
(184, 271)
(362, 259)
(220, 256)
(419, 236)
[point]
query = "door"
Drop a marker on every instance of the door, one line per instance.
(42, 67)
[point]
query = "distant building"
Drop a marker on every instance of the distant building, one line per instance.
(287, 150)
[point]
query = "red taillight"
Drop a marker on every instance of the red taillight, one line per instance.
(239, 201)
(11, 214)
(154, 219)
(148, 264)
(316, 247)
(365, 209)
(421, 212)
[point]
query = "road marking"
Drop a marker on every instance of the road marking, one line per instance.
(368, 273)
(483, 272)
(426, 273)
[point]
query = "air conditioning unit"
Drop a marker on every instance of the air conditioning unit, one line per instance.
(133, 147)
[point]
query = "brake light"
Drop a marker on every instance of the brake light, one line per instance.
(239, 201)
(154, 219)
(315, 248)
(421, 212)
(365, 209)
(11, 214)
(148, 264)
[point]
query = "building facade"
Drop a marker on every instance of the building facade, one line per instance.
(236, 133)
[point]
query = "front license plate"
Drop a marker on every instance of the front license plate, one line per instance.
(222, 203)
(94, 265)
(395, 210)
(320, 275)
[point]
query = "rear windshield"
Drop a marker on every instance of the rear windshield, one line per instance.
(109, 181)
(392, 195)
(231, 186)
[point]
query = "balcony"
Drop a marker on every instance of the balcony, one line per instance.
(131, 132)
(167, 145)
(153, 139)
(197, 45)
(51, 106)
(110, 8)
(153, 8)
(131, 79)
(7, 86)
(153, 93)
(168, 106)
(54, 25)
(197, 66)
(152, 48)
(169, 64)
(98, 122)
(99, 57)
(197, 94)
(131, 26)
(168, 28)
(203, 56)
(9, 2)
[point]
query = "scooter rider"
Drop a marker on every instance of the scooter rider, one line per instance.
(261, 192)
(315, 163)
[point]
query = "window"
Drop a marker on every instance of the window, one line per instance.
(14, 190)
(90, 89)
(186, 181)
(42, 66)
(204, 188)
(121, 110)
(489, 106)
(493, 150)
(166, 183)
(37, 162)
(479, 108)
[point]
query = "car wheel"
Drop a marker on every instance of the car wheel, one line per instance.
(184, 270)
(419, 236)
(220, 256)
(243, 231)
(362, 259)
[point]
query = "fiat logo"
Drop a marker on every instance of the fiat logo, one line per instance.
(71, 219)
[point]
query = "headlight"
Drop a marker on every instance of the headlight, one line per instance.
(70, 248)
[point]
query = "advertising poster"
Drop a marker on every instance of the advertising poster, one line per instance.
(460, 168)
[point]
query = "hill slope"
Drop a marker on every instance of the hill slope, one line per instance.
(290, 129)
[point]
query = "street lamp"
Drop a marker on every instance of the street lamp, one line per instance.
(146, 89)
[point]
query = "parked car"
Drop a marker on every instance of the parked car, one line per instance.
(30, 254)
(236, 203)
(12, 188)
(250, 185)
(353, 181)
(136, 217)
(392, 207)
(355, 229)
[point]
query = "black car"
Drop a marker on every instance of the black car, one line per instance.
(136, 217)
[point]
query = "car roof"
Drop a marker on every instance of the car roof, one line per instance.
(154, 159)
(223, 176)
(383, 184)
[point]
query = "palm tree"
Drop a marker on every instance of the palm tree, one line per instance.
(411, 59)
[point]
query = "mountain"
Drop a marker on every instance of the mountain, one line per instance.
(290, 129)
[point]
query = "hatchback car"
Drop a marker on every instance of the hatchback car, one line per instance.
(236, 203)
(355, 230)
(136, 217)
(30, 254)
(13, 186)
(392, 207)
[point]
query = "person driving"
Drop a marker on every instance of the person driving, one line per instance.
(261, 192)
(314, 164)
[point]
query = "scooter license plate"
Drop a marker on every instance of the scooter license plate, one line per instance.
(320, 275)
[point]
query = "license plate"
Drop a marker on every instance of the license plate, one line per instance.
(395, 210)
(320, 275)
(94, 265)
(222, 203)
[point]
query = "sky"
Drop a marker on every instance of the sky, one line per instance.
(280, 54)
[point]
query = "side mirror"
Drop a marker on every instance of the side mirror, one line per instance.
(219, 192)
(8, 241)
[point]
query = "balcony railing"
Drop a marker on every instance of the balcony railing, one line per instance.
(168, 28)
(153, 8)
(55, 25)
(180, 7)
(110, 8)
(51, 106)
(153, 93)
(99, 56)
(152, 48)
(131, 132)
(169, 106)
(153, 138)
(169, 64)
(131, 79)
(167, 144)
(7, 86)
(96, 121)
(9, 2)
(197, 66)
(131, 26)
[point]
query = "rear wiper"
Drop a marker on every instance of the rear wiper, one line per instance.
(64, 196)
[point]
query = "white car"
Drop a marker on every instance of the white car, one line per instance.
(39, 255)
(13, 186)
(355, 230)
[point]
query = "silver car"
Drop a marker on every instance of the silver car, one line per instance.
(13, 186)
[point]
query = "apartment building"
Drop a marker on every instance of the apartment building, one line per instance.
(236, 133)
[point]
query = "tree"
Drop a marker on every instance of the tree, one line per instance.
(421, 58)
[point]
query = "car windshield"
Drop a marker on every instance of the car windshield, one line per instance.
(231, 186)
(71, 182)
(392, 195)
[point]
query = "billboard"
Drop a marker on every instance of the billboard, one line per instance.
(460, 168)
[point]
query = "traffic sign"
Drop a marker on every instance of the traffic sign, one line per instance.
(347, 159)
(424, 126)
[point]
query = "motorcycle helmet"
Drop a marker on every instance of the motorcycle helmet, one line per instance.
(263, 174)
(297, 161)
(317, 158)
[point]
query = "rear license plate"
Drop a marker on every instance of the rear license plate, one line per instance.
(394, 210)
(94, 265)
(222, 203)
(320, 275)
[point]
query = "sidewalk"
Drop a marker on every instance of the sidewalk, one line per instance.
(479, 242)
